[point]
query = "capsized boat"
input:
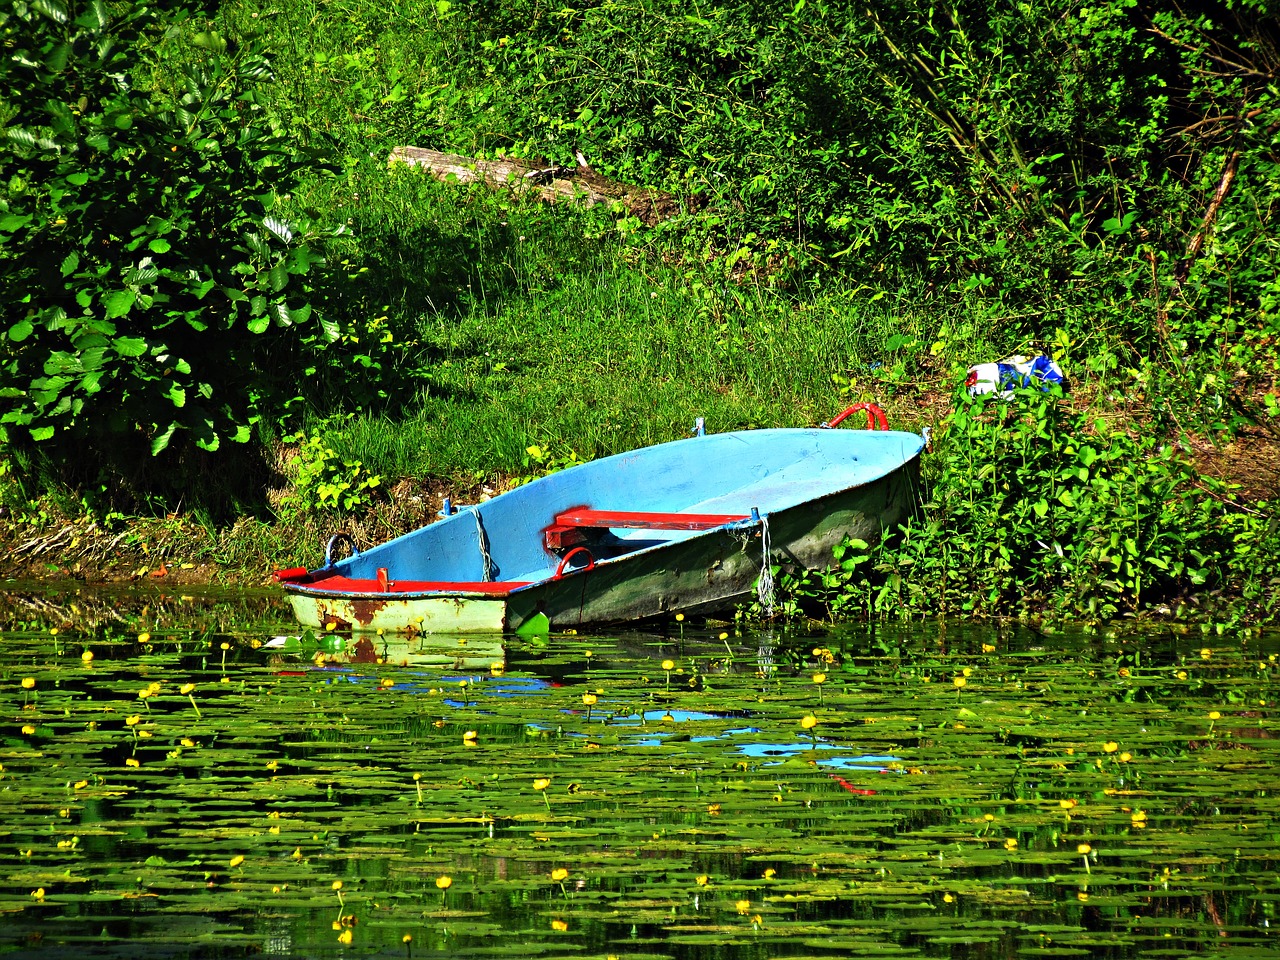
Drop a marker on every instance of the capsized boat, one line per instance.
(687, 526)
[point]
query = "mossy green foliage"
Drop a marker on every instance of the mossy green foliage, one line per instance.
(960, 791)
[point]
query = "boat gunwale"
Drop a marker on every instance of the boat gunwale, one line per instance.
(316, 591)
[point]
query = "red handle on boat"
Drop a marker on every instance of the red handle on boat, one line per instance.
(876, 420)
(564, 561)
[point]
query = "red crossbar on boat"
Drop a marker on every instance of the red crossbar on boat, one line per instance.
(561, 533)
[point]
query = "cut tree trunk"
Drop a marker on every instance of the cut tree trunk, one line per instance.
(578, 184)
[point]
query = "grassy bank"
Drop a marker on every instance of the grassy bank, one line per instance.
(470, 338)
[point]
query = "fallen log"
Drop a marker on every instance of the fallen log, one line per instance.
(553, 183)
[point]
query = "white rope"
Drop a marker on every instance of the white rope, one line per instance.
(483, 540)
(764, 586)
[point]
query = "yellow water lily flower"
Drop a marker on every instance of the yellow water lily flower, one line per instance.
(28, 683)
(809, 722)
(559, 926)
(1110, 746)
(444, 883)
(236, 861)
(744, 907)
(668, 665)
(542, 783)
(559, 874)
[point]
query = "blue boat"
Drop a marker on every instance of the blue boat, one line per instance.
(681, 527)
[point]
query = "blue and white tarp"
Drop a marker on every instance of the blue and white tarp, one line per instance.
(1006, 376)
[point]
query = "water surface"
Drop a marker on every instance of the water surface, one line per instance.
(975, 792)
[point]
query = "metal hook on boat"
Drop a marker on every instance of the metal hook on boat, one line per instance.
(564, 562)
(336, 539)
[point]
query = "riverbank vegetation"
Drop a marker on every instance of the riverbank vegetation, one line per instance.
(232, 328)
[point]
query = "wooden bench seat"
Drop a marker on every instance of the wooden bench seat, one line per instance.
(566, 530)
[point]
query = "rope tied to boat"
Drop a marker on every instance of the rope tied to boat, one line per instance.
(764, 586)
(482, 539)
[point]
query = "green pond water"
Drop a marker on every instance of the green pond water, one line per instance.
(209, 784)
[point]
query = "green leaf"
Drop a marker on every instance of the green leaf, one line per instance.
(161, 440)
(41, 433)
(259, 324)
(21, 330)
(55, 10)
(159, 245)
(92, 358)
(56, 61)
(69, 263)
(129, 346)
(119, 304)
(12, 221)
(281, 228)
(177, 396)
(210, 40)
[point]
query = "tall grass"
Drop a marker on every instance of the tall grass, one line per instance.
(537, 324)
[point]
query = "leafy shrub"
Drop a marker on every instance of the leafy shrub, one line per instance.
(326, 481)
(1036, 508)
(156, 296)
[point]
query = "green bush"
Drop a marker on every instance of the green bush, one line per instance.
(156, 297)
(1034, 508)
